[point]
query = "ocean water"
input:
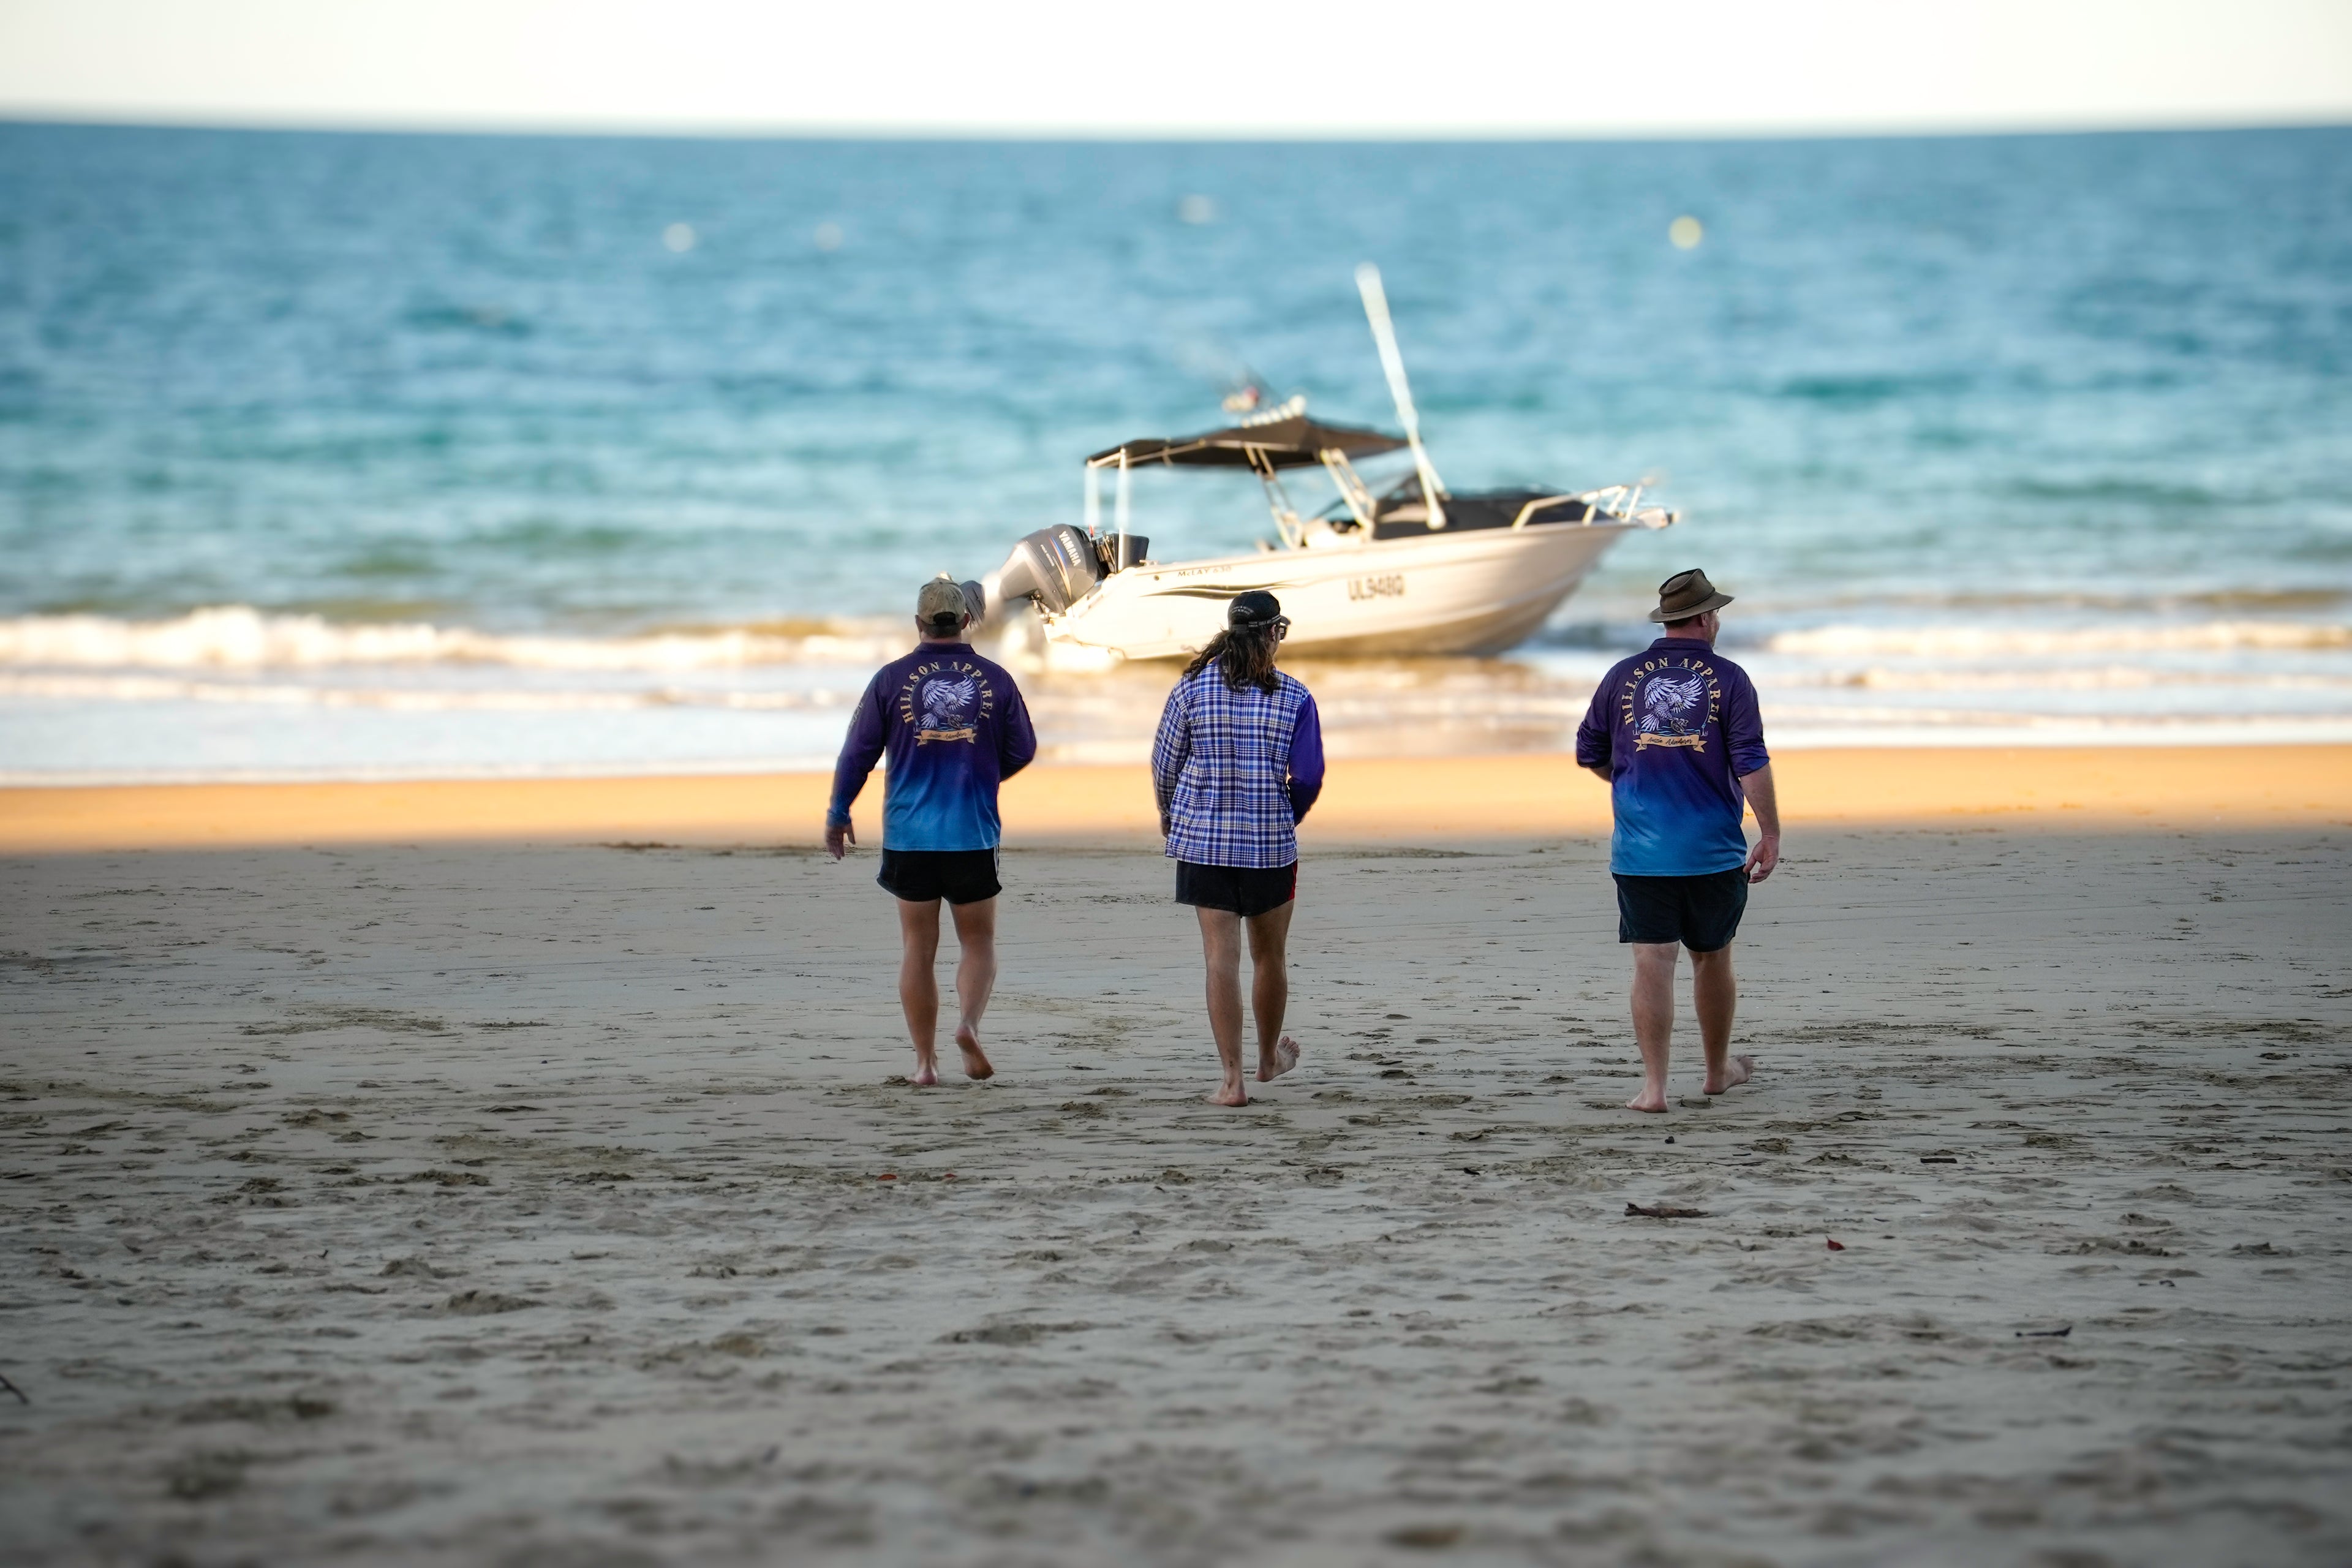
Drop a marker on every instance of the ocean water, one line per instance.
(343, 455)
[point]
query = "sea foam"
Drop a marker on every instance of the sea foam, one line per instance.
(238, 637)
(1992, 642)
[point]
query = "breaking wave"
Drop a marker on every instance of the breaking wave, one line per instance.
(403, 700)
(237, 637)
(2104, 678)
(1989, 642)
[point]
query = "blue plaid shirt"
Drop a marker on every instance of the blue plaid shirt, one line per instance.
(1236, 771)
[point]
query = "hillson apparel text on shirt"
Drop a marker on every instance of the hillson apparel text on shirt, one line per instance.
(954, 727)
(1678, 728)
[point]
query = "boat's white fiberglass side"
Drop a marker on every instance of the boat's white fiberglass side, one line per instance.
(1467, 592)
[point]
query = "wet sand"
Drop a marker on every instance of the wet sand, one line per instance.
(1470, 799)
(379, 1204)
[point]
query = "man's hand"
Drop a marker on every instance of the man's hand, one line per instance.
(1165, 826)
(1764, 800)
(838, 837)
(1603, 772)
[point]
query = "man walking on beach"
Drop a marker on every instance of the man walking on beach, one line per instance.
(1674, 732)
(1236, 763)
(954, 727)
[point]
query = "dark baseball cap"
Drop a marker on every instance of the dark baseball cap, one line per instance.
(1255, 608)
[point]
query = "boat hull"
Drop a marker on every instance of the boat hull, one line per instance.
(1471, 593)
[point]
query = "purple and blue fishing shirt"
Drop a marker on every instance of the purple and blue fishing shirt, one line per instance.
(954, 727)
(1676, 725)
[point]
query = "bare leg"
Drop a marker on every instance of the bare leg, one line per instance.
(1269, 937)
(1716, 993)
(1653, 1018)
(1220, 949)
(918, 991)
(975, 926)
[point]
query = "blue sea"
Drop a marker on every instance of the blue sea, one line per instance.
(331, 455)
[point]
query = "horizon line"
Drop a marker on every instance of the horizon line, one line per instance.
(62, 117)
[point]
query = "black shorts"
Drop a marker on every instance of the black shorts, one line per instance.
(1701, 912)
(1247, 890)
(923, 876)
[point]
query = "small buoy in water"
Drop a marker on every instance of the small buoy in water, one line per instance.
(1686, 232)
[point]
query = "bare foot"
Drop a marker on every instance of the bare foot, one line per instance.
(1737, 1070)
(1650, 1099)
(975, 1060)
(926, 1075)
(1230, 1094)
(1284, 1056)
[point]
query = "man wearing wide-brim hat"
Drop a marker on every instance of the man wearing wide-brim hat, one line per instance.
(1675, 733)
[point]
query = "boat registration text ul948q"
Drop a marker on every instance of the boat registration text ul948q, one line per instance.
(1389, 587)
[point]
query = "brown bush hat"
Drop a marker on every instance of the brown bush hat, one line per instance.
(1687, 594)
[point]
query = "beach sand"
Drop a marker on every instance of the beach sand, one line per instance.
(419, 1198)
(1383, 800)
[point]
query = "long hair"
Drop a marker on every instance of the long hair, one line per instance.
(1243, 657)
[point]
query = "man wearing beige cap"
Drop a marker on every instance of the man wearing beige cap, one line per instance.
(1674, 732)
(954, 727)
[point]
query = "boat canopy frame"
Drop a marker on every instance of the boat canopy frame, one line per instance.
(1265, 444)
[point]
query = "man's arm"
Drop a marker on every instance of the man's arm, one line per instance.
(1743, 738)
(1016, 744)
(1592, 737)
(1169, 748)
(1766, 853)
(1305, 762)
(860, 752)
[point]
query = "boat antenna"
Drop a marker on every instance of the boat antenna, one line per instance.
(1376, 306)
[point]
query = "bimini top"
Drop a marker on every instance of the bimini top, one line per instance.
(1282, 438)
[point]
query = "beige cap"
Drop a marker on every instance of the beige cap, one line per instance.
(940, 605)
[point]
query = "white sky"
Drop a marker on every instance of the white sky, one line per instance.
(1628, 68)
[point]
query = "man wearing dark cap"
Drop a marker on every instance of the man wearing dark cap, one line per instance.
(954, 727)
(1675, 733)
(1235, 764)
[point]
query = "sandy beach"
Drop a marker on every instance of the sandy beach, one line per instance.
(386, 1180)
(1454, 800)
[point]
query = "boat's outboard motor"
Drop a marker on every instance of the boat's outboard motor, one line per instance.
(1055, 567)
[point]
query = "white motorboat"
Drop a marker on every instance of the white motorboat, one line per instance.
(1417, 569)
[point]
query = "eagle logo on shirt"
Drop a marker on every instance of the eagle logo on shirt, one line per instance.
(945, 700)
(1670, 703)
(948, 708)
